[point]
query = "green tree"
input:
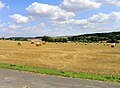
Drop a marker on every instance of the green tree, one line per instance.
(46, 38)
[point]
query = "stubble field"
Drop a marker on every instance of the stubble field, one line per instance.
(90, 58)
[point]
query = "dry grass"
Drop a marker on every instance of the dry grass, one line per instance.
(90, 58)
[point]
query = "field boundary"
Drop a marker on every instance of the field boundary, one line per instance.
(63, 73)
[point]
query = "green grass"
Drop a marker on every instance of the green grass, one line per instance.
(61, 72)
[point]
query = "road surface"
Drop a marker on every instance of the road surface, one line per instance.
(17, 79)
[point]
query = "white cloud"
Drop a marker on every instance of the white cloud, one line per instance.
(61, 15)
(84, 23)
(13, 26)
(99, 18)
(79, 22)
(73, 22)
(105, 18)
(93, 20)
(99, 21)
(115, 16)
(79, 5)
(41, 10)
(19, 18)
(1, 5)
(111, 2)
(53, 13)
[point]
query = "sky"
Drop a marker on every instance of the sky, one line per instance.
(30, 18)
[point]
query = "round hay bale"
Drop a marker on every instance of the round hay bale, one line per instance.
(19, 43)
(113, 45)
(44, 43)
(32, 42)
(38, 44)
(104, 44)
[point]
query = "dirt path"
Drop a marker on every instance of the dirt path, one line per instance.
(17, 79)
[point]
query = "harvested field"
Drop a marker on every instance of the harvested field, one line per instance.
(90, 58)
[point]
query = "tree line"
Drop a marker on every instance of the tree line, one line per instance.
(112, 37)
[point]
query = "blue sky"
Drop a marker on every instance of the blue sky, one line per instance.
(58, 17)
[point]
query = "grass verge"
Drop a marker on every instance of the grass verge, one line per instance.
(61, 72)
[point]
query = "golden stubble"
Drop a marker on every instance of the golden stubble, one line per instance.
(90, 58)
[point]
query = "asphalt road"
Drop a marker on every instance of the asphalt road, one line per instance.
(17, 79)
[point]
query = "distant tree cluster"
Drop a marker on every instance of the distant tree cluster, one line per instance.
(112, 37)
(18, 39)
(84, 39)
(15, 39)
(51, 39)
